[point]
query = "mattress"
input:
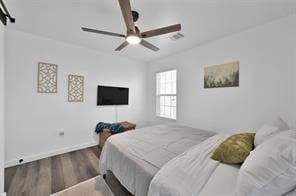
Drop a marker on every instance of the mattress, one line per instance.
(135, 157)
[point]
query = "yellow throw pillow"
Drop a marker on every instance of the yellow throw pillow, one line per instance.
(235, 149)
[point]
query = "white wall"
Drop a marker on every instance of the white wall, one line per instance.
(294, 88)
(33, 119)
(266, 63)
(1, 109)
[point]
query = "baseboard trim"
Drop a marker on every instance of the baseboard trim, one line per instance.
(31, 158)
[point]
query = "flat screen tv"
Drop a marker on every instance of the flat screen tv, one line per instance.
(108, 95)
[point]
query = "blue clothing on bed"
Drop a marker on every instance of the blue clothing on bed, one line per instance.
(113, 127)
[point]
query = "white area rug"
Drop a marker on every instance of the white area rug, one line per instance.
(92, 187)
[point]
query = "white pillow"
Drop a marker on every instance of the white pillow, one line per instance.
(287, 134)
(269, 130)
(270, 170)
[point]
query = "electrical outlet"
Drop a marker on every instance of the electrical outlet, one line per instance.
(61, 131)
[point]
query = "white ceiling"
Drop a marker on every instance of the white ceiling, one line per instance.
(202, 21)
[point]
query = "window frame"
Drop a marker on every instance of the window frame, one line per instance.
(168, 95)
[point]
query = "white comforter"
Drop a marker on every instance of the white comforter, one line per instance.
(135, 157)
(194, 173)
(188, 173)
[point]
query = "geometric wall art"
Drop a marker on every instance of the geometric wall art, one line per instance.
(224, 75)
(75, 88)
(47, 78)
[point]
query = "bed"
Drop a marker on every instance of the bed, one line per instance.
(194, 173)
(135, 157)
(171, 160)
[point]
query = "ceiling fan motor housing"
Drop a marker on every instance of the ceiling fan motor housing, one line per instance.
(131, 32)
(135, 16)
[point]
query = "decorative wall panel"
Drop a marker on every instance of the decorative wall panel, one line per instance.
(47, 78)
(75, 88)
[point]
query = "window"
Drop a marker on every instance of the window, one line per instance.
(166, 94)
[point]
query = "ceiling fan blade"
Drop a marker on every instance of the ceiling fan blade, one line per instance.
(148, 45)
(102, 32)
(161, 31)
(123, 45)
(127, 15)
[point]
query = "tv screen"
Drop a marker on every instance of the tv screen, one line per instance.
(108, 95)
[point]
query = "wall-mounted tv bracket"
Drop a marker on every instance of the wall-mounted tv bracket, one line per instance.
(4, 14)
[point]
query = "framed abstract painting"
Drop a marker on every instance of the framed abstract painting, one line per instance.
(220, 76)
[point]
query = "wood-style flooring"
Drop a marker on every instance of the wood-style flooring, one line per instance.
(50, 175)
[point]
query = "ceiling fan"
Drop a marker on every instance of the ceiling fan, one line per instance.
(133, 35)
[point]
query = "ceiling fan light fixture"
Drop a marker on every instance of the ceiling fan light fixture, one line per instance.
(133, 39)
(133, 34)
